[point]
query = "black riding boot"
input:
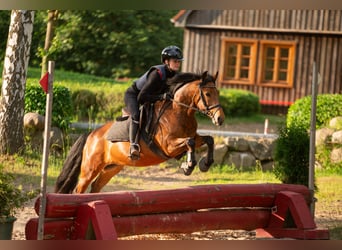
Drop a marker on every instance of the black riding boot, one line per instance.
(134, 150)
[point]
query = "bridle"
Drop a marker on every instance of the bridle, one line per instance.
(208, 108)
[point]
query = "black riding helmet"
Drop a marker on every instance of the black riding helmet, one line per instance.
(171, 52)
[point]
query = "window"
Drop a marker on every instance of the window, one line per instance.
(239, 59)
(275, 66)
(276, 63)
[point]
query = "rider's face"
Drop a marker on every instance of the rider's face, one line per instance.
(174, 64)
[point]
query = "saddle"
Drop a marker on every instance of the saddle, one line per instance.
(119, 131)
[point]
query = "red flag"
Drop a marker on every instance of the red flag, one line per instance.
(44, 82)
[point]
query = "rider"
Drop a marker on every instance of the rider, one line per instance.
(150, 87)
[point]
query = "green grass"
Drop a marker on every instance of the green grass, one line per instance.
(27, 169)
(75, 81)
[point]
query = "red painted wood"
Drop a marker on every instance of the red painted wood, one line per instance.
(184, 210)
(275, 102)
(291, 204)
(53, 229)
(247, 219)
(94, 219)
(173, 200)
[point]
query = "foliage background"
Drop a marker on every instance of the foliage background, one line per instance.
(328, 107)
(117, 43)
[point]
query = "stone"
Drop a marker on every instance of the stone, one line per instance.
(56, 138)
(241, 161)
(262, 148)
(336, 155)
(220, 151)
(322, 135)
(336, 137)
(267, 165)
(237, 143)
(34, 121)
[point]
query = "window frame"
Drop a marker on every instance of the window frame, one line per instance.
(225, 41)
(275, 82)
(258, 61)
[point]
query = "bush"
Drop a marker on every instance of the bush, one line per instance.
(85, 104)
(12, 197)
(104, 105)
(100, 105)
(236, 102)
(328, 106)
(35, 101)
(292, 155)
(111, 105)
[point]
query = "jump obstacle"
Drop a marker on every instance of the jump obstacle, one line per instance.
(272, 210)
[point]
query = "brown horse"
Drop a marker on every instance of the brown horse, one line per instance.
(95, 159)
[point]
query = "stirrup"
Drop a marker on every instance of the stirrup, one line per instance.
(134, 151)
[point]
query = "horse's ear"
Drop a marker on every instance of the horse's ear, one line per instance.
(216, 76)
(204, 75)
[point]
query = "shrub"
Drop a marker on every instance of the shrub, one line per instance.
(107, 104)
(99, 105)
(85, 104)
(328, 106)
(237, 102)
(292, 155)
(12, 197)
(35, 101)
(111, 105)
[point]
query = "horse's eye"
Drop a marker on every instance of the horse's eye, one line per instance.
(207, 94)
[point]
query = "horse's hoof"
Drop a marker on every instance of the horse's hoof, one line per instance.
(202, 165)
(186, 169)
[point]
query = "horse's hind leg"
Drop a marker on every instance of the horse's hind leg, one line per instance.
(104, 177)
(88, 173)
(84, 181)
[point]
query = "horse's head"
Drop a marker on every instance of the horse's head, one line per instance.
(197, 92)
(208, 99)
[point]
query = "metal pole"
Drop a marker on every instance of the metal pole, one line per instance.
(313, 137)
(46, 148)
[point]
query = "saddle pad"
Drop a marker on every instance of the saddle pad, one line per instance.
(119, 131)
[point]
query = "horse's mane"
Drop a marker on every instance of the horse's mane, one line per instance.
(183, 78)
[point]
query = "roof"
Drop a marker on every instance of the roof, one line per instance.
(289, 21)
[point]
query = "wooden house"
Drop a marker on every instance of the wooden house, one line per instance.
(267, 52)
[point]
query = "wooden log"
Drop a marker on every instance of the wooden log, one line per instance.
(246, 219)
(173, 200)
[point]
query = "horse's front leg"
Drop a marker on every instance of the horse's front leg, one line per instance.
(205, 162)
(191, 162)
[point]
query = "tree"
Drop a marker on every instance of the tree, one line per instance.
(14, 80)
(112, 43)
(52, 16)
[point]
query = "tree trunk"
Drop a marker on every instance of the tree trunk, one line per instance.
(52, 16)
(14, 81)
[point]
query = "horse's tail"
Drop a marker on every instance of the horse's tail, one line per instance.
(67, 179)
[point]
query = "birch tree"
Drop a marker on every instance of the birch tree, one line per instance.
(14, 81)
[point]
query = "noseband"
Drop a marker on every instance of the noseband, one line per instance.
(208, 108)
